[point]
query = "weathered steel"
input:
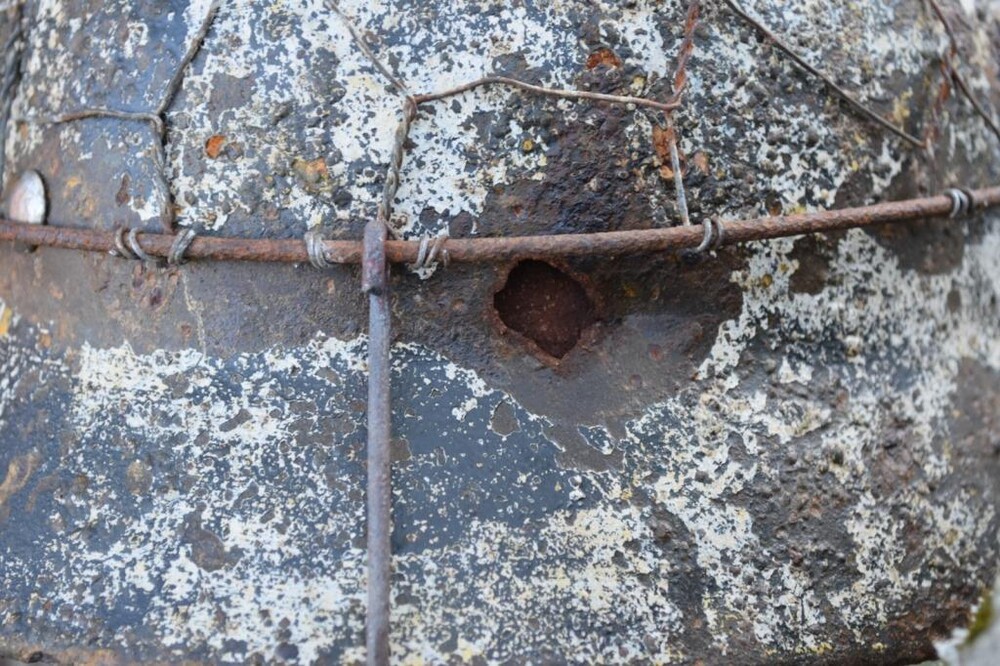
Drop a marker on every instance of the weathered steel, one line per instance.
(375, 284)
(782, 452)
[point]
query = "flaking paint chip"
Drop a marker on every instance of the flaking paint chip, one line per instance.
(27, 202)
(213, 147)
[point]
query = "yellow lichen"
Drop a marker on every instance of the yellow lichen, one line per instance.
(983, 618)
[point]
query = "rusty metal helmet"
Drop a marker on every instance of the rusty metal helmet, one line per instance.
(778, 451)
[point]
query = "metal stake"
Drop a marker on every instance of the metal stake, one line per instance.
(375, 283)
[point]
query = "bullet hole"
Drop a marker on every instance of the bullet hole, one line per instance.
(546, 306)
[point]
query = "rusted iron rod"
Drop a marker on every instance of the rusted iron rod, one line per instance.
(484, 250)
(375, 283)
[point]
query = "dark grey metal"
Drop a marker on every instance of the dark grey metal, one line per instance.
(375, 284)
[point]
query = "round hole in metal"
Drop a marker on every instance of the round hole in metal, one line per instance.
(545, 305)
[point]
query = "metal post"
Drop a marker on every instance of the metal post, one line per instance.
(374, 282)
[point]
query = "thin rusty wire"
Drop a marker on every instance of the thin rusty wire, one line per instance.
(560, 93)
(686, 50)
(669, 127)
(393, 175)
(363, 45)
(174, 86)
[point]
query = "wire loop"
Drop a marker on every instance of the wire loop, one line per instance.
(431, 247)
(121, 247)
(180, 246)
(132, 239)
(712, 241)
(316, 249)
(961, 201)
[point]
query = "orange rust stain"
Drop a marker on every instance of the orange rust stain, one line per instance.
(662, 136)
(700, 161)
(603, 57)
(661, 142)
(6, 317)
(311, 171)
(214, 145)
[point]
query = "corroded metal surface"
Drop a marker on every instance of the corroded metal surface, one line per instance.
(786, 452)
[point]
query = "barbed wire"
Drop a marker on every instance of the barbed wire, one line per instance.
(156, 117)
(375, 252)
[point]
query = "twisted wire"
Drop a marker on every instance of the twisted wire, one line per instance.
(316, 250)
(393, 172)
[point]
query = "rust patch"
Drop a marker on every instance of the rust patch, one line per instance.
(504, 421)
(700, 161)
(6, 318)
(545, 305)
(603, 56)
(19, 470)
(213, 147)
(813, 254)
(123, 196)
(138, 478)
(662, 136)
(311, 171)
(661, 142)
